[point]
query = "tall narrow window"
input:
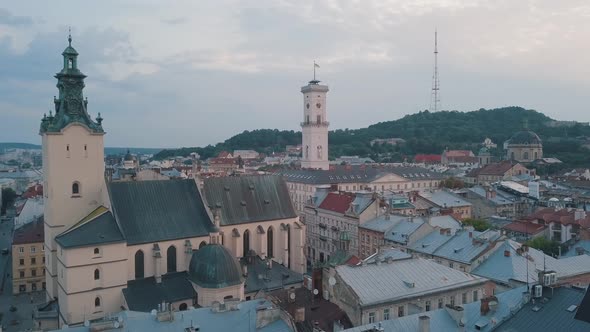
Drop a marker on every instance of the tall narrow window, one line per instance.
(97, 302)
(139, 272)
(171, 259)
(70, 63)
(269, 242)
(75, 188)
(202, 244)
(246, 244)
(96, 274)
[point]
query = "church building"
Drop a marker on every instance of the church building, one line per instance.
(133, 245)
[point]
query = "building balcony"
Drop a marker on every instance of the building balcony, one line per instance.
(335, 229)
(315, 124)
(322, 225)
(323, 238)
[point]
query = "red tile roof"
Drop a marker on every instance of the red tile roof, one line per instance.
(353, 260)
(223, 154)
(458, 153)
(524, 227)
(497, 168)
(337, 202)
(33, 191)
(427, 158)
(562, 216)
(32, 232)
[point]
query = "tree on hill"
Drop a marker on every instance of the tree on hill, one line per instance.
(8, 197)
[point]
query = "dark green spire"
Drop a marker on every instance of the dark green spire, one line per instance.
(70, 107)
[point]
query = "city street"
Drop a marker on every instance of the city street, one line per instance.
(21, 319)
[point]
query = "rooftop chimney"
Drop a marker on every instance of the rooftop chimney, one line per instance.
(424, 324)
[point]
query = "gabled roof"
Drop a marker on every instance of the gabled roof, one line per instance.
(337, 202)
(99, 227)
(277, 277)
(32, 232)
(446, 199)
(356, 174)
(151, 211)
(524, 227)
(146, 294)
(427, 158)
(497, 169)
(252, 198)
(401, 231)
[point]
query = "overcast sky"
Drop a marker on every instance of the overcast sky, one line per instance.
(191, 73)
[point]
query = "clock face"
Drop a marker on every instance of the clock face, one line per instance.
(318, 105)
(307, 105)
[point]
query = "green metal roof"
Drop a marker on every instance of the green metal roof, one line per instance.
(95, 229)
(151, 211)
(213, 266)
(245, 199)
(145, 294)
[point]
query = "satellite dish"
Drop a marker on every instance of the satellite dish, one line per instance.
(332, 281)
(292, 296)
(87, 323)
(117, 325)
(315, 292)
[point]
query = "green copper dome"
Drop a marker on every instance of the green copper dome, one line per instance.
(213, 266)
(525, 137)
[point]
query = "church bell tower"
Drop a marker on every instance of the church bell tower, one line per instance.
(73, 162)
(314, 128)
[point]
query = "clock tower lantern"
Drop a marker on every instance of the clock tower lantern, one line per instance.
(314, 128)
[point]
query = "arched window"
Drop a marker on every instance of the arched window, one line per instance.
(96, 251)
(269, 242)
(512, 155)
(182, 307)
(97, 302)
(96, 274)
(202, 244)
(526, 156)
(246, 244)
(171, 259)
(319, 151)
(307, 152)
(75, 188)
(139, 273)
(70, 63)
(536, 155)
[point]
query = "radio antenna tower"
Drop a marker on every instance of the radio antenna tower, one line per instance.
(435, 98)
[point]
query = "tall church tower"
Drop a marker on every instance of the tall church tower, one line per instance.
(314, 128)
(73, 161)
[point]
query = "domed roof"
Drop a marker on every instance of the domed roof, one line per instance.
(213, 266)
(525, 137)
(483, 151)
(128, 156)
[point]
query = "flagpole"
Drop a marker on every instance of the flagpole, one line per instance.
(314, 70)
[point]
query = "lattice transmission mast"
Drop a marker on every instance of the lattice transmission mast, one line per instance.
(435, 97)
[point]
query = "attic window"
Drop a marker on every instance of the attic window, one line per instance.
(266, 201)
(243, 203)
(251, 187)
(226, 188)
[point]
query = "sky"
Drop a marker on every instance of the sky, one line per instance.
(192, 73)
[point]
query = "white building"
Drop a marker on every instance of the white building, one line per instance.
(314, 127)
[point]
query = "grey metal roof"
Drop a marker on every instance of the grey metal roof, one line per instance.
(213, 266)
(145, 294)
(464, 248)
(151, 211)
(444, 198)
(431, 242)
(445, 221)
(401, 231)
(385, 254)
(241, 320)
(388, 282)
(101, 229)
(356, 174)
(244, 199)
(504, 269)
(383, 222)
(441, 321)
(553, 315)
(260, 277)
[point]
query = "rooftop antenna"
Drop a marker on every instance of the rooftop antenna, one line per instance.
(435, 98)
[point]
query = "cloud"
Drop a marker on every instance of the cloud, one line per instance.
(6, 18)
(175, 21)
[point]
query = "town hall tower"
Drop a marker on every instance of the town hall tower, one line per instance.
(314, 128)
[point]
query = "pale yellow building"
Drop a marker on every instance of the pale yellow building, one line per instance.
(130, 243)
(524, 146)
(28, 258)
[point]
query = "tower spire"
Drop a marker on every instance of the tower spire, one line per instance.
(435, 98)
(70, 36)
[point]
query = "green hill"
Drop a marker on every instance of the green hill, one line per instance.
(424, 132)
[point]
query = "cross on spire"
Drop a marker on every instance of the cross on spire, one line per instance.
(70, 36)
